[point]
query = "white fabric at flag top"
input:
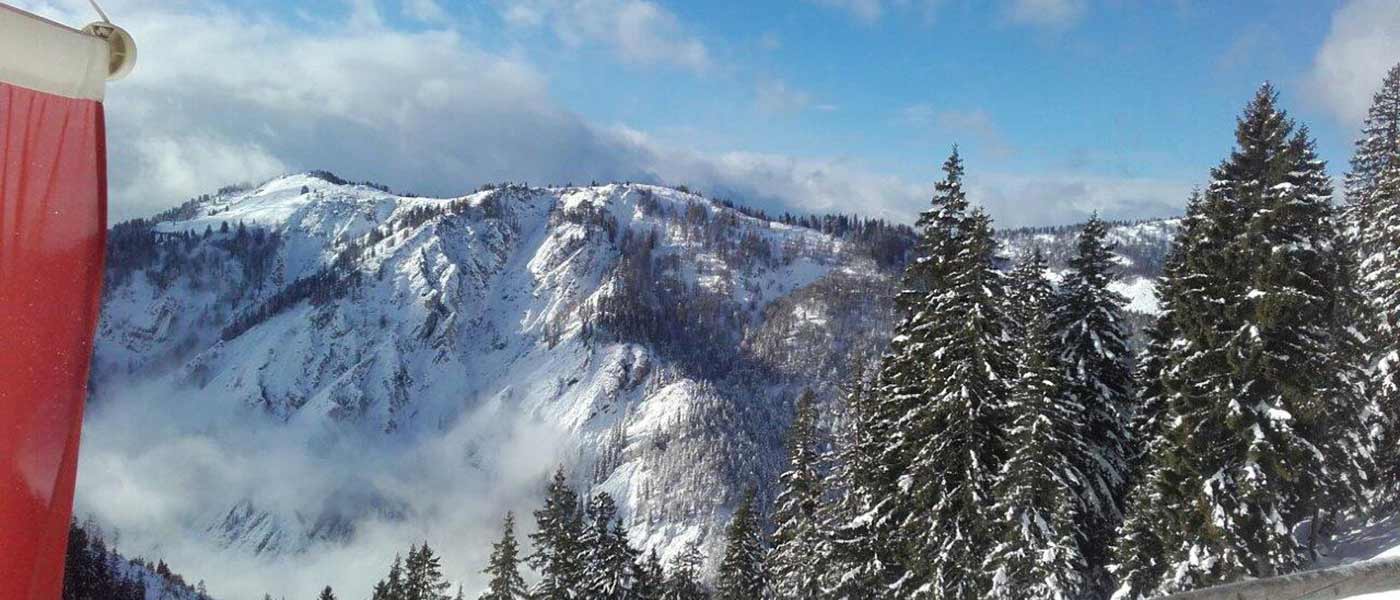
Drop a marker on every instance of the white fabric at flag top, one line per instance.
(50, 57)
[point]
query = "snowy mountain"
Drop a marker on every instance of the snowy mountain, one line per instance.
(1140, 250)
(312, 364)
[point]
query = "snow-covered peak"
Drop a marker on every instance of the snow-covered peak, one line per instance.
(312, 203)
(658, 337)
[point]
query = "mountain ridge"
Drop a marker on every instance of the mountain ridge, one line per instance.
(650, 339)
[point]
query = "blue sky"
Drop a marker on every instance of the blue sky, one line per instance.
(1061, 107)
(1122, 90)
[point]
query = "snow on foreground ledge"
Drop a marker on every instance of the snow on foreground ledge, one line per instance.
(1393, 555)
(1376, 578)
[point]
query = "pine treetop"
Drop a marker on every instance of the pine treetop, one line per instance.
(504, 566)
(742, 572)
(939, 227)
(423, 579)
(557, 553)
(1379, 145)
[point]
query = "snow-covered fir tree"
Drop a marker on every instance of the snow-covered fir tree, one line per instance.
(954, 433)
(1311, 253)
(557, 554)
(392, 586)
(1373, 211)
(1250, 391)
(422, 575)
(504, 567)
(1087, 320)
(91, 570)
(326, 594)
(948, 357)
(649, 577)
(683, 580)
(1028, 294)
(1350, 403)
(1140, 550)
(1151, 393)
(795, 564)
(1378, 148)
(1038, 552)
(857, 569)
(1382, 290)
(904, 373)
(608, 557)
(743, 573)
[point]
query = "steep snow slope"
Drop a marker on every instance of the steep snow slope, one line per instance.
(648, 340)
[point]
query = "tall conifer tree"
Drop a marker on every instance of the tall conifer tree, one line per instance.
(795, 563)
(1038, 554)
(650, 577)
(504, 568)
(857, 567)
(958, 432)
(742, 573)
(683, 582)
(1093, 351)
(1373, 211)
(608, 557)
(557, 556)
(392, 586)
(1250, 377)
(1382, 288)
(422, 578)
(1378, 148)
(904, 373)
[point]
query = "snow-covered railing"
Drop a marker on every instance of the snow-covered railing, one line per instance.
(1346, 581)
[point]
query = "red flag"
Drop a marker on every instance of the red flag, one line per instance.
(53, 206)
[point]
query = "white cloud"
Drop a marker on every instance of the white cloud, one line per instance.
(870, 11)
(866, 11)
(975, 125)
(364, 14)
(980, 127)
(770, 41)
(775, 182)
(1045, 14)
(920, 115)
(1363, 43)
(821, 185)
(775, 96)
(249, 96)
(1019, 200)
(427, 11)
(637, 31)
(1049, 14)
(172, 166)
(1250, 45)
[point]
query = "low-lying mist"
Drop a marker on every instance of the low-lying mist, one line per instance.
(159, 467)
